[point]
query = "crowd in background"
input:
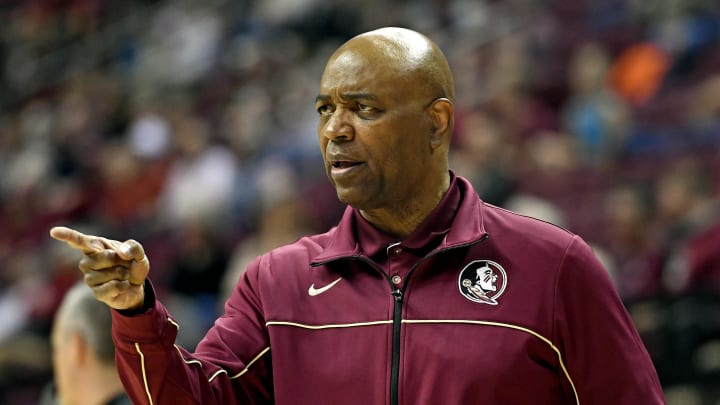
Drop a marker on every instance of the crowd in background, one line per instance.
(189, 126)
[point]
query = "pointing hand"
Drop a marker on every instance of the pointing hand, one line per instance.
(115, 271)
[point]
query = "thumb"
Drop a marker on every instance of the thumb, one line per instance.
(128, 250)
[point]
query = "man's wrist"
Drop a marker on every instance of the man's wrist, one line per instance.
(148, 301)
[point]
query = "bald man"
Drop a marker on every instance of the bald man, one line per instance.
(83, 353)
(422, 293)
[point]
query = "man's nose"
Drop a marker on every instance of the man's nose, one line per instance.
(338, 127)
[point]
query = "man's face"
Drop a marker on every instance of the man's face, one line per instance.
(373, 130)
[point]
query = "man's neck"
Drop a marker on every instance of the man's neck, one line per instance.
(405, 217)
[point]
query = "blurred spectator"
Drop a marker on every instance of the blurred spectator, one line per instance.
(593, 113)
(128, 187)
(638, 72)
(628, 215)
(688, 202)
(195, 273)
(83, 354)
(704, 114)
(511, 99)
(536, 207)
(201, 177)
(552, 154)
(483, 155)
(682, 319)
(181, 44)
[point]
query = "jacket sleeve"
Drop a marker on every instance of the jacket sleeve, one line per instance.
(605, 359)
(230, 365)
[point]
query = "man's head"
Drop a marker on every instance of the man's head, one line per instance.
(386, 118)
(83, 351)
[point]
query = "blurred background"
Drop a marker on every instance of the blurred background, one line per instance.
(190, 126)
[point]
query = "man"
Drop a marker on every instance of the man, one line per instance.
(83, 353)
(374, 310)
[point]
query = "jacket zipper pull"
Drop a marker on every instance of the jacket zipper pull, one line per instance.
(397, 294)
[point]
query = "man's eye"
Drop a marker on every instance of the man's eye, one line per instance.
(365, 108)
(324, 109)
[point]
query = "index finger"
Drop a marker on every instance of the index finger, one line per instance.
(77, 240)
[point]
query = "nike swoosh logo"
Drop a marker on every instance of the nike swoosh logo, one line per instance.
(312, 291)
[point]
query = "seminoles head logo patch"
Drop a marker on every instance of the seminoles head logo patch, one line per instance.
(482, 281)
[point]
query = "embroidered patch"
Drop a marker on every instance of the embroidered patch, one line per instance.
(482, 281)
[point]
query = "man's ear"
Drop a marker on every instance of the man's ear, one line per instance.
(442, 114)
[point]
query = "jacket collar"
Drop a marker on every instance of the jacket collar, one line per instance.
(466, 226)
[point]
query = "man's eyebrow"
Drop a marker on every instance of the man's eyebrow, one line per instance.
(347, 96)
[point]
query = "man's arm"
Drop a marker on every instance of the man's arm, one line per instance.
(232, 362)
(604, 355)
(228, 366)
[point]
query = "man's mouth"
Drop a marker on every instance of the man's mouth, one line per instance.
(344, 164)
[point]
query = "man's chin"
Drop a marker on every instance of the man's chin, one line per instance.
(352, 197)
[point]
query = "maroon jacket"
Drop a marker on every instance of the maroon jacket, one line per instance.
(480, 305)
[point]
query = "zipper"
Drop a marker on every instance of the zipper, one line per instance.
(398, 294)
(395, 365)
